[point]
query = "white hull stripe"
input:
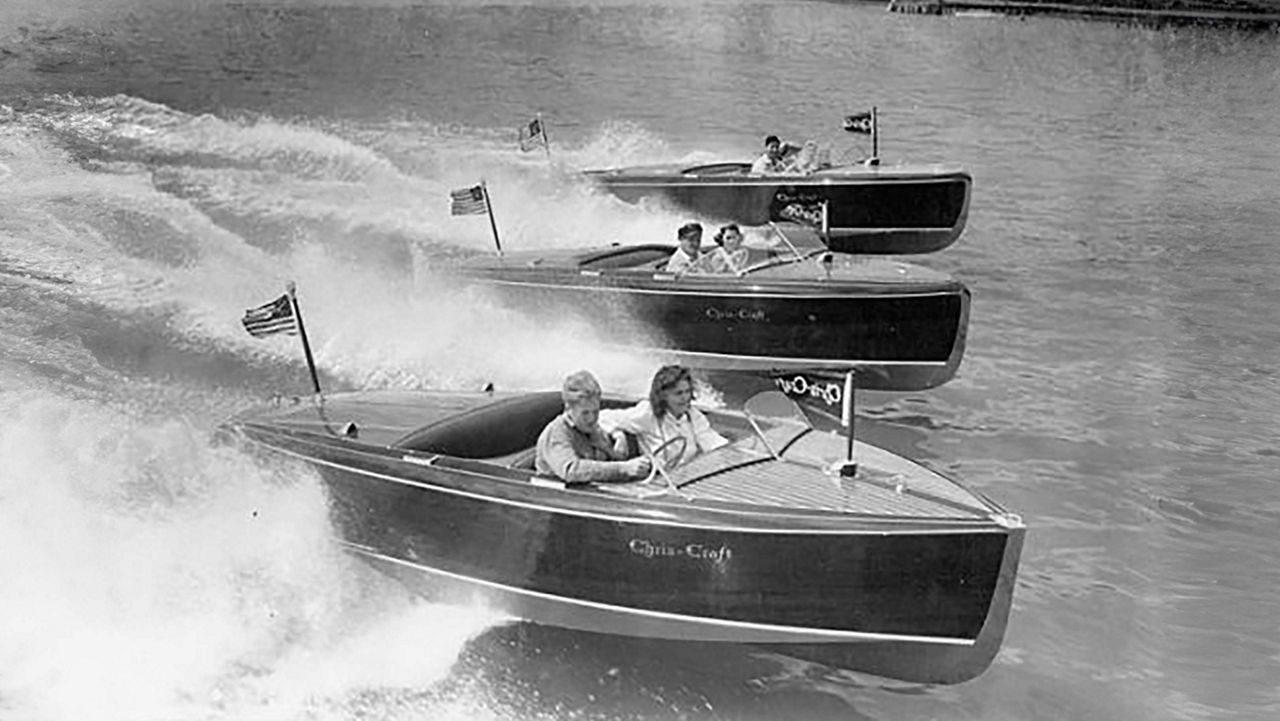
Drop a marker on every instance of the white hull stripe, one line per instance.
(767, 362)
(831, 634)
(718, 294)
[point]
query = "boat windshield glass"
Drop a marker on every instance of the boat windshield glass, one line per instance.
(777, 420)
(787, 257)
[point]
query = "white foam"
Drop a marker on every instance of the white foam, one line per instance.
(149, 574)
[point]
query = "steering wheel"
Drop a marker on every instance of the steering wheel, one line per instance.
(660, 451)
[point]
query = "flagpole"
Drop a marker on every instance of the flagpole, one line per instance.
(546, 139)
(302, 331)
(850, 468)
(488, 207)
(875, 134)
(826, 222)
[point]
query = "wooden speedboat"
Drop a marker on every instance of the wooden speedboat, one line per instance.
(902, 324)
(895, 570)
(900, 209)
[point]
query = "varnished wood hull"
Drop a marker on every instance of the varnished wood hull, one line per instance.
(920, 595)
(905, 333)
(915, 660)
(878, 210)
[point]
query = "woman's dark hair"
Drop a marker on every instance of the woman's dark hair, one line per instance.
(723, 229)
(664, 380)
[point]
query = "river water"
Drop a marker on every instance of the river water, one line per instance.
(166, 164)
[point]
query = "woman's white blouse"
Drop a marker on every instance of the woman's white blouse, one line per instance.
(699, 436)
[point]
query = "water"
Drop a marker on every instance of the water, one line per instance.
(165, 165)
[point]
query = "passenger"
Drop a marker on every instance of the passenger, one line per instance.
(771, 160)
(730, 256)
(775, 157)
(667, 414)
(573, 447)
(687, 258)
(805, 161)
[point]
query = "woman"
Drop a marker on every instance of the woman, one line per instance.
(730, 256)
(667, 414)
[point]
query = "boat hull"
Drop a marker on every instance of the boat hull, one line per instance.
(914, 603)
(920, 660)
(870, 210)
(923, 662)
(898, 571)
(902, 336)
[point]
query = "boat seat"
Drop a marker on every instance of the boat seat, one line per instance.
(520, 460)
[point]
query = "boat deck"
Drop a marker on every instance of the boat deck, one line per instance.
(743, 475)
(885, 486)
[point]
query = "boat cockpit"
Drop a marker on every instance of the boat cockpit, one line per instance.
(625, 257)
(735, 169)
(504, 433)
(502, 428)
(652, 258)
(718, 169)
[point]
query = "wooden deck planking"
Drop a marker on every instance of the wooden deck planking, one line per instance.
(791, 487)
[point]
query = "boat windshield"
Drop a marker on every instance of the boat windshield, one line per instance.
(653, 257)
(793, 255)
(777, 420)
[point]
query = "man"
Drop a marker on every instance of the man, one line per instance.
(775, 158)
(687, 258)
(574, 449)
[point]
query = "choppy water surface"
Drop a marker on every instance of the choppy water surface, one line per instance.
(164, 165)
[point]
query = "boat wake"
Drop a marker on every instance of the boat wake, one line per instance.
(144, 210)
(157, 575)
(372, 188)
(161, 575)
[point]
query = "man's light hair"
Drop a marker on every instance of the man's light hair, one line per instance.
(580, 387)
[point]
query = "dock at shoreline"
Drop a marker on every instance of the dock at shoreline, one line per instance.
(1262, 16)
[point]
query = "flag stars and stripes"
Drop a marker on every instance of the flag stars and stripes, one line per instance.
(468, 201)
(475, 201)
(532, 135)
(271, 318)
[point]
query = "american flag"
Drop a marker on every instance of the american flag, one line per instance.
(532, 134)
(271, 318)
(859, 123)
(468, 201)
